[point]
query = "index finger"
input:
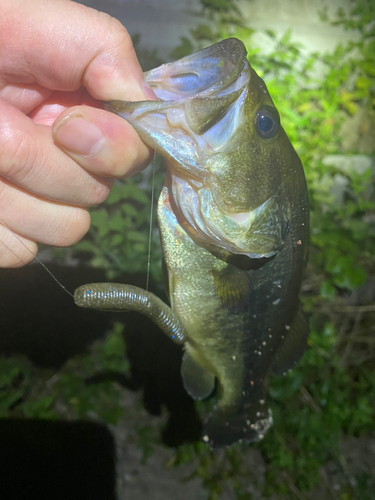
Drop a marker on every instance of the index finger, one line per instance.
(67, 46)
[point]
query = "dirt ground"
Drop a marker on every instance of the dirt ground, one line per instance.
(156, 480)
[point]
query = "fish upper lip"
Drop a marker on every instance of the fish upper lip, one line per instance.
(176, 104)
(229, 51)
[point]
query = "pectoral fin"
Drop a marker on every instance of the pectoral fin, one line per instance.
(233, 287)
(198, 381)
(294, 343)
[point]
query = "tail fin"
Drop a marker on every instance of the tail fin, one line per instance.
(224, 428)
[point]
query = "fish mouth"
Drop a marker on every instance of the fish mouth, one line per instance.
(199, 107)
(199, 116)
(208, 72)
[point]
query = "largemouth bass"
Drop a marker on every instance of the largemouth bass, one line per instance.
(234, 224)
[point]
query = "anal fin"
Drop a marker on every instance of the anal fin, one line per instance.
(198, 381)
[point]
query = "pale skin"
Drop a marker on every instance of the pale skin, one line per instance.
(59, 151)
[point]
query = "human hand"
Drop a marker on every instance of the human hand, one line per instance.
(59, 151)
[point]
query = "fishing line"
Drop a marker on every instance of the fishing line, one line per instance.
(38, 260)
(151, 219)
(153, 163)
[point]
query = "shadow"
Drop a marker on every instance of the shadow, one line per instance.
(155, 364)
(56, 460)
(39, 320)
(155, 367)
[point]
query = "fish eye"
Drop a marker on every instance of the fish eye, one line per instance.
(267, 122)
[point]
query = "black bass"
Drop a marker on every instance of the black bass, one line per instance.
(234, 219)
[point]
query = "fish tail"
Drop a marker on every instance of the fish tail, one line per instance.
(224, 428)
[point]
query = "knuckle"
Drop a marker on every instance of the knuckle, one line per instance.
(101, 192)
(21, 259)
(13, 252)
(17, 154)
(113, 33)
(94, 194)
(127, 151)
(70, 228)
(118, 34)
(123, 167)
(7, 192)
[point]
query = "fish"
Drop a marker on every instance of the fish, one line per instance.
(234, 223)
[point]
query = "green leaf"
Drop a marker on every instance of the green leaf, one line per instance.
(128, 209)
(327, 290)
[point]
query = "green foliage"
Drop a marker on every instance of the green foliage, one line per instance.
(222, 20)
(99, 400)
(148, 58)
(27, 392)
(312, 406)
(146, 441)
(119, 236)
(14, 383)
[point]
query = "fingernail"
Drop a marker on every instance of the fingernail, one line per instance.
(79, 136)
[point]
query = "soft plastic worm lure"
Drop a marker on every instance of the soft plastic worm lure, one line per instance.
(120, 297)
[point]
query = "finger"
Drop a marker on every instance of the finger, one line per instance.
(24, 97)
(52, 107)
(95, 51)
(15, 251)
(30, 159)
(36, 101)
(101, 142)
(40, 220)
